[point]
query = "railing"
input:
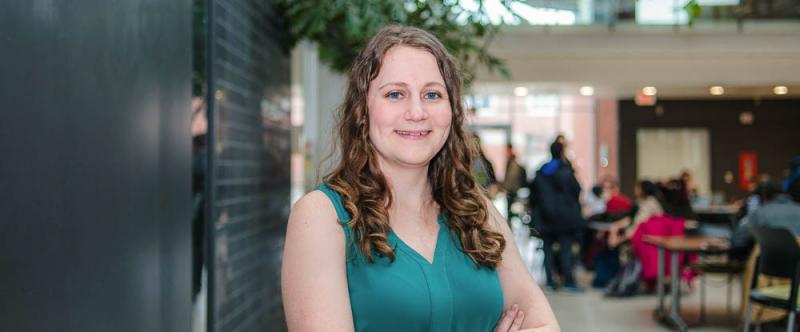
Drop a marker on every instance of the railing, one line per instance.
(664, 12)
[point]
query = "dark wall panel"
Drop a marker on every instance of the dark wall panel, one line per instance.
(251, 76)
(774, 135)
(95, 171)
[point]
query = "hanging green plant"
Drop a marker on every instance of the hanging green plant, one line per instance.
(341, 28)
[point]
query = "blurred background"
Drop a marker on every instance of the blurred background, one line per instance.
(153, 148)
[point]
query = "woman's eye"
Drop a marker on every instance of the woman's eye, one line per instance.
(394, 95)
(433, 95)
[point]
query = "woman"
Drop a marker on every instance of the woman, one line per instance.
(399, 237)
(650, 203)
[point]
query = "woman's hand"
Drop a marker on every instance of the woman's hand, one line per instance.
(511, 320)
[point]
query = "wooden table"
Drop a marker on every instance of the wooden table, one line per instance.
(676, 245)
(717, 209)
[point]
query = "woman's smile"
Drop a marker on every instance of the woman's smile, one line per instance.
(413, 134)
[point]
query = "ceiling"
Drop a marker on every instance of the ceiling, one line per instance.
(679, 61)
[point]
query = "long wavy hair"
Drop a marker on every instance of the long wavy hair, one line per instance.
(363, 187)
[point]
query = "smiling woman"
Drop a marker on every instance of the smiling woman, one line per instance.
(409, 115)
(403, 237)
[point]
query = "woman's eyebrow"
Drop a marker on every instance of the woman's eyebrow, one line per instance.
(436, 83)
(401, 84)
(393, 83)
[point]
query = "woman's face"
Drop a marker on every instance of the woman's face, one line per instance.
(409, 109)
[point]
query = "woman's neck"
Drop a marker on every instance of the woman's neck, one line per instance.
(410, 186)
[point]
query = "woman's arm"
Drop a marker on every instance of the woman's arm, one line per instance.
(518, 286)
(314, 276)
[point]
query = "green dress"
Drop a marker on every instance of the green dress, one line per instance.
(411, 294)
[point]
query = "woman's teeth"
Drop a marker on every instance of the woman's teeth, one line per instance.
(413, 133)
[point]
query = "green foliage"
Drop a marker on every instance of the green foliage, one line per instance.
(693, 9)
(342, 28)
(199, 36)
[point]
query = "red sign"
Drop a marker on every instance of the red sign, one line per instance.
(644, 100)
(748, 167)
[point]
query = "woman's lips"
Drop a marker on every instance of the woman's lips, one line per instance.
(413, 134)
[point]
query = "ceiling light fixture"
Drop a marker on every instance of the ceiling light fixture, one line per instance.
(587, 91)
(716, 90)
(780, 90)
(520, 91)
(649, 91)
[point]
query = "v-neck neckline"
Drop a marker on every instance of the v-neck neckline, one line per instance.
(414, 252)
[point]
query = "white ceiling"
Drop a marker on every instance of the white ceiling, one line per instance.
(679, 61)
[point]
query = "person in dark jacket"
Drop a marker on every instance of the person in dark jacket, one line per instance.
(556, 209)
(779, 210)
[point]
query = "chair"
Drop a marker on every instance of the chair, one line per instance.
(731, 268)
(779, 257)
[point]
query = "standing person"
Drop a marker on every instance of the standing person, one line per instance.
(482, 168)
(515, 177)
(399, 237)
(555, 200)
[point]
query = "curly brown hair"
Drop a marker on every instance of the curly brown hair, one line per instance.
(363, 187)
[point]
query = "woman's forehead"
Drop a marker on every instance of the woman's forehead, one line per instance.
(408, 65)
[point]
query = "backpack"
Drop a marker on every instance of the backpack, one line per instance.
(626, 282)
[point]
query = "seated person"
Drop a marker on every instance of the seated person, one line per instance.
(676, 199)
(650, 203)
(781, 210)
(602, 258)
(616, 202)
(595, 204)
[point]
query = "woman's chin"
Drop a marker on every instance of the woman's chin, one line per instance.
(414, 161)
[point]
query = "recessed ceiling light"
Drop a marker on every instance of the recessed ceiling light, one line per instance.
(716, 90)
(520, 91)
(649, 91)
(587, 91)
(780, 90)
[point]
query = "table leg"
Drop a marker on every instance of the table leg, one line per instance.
(660, 283)
(675, 313)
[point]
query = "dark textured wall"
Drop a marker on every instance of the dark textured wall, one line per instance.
(95, 169)
(250, 76)
(774, 135)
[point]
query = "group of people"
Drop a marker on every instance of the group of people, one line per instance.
(560, 216)
(665, 202)
(556, 204)
(559, 213)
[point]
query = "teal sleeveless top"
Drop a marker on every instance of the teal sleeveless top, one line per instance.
(411, 294)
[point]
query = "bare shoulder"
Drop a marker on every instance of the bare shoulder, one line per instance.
(314, 216)
(496, 221)
(314, 204)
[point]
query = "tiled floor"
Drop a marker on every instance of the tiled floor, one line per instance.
(591, 311)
